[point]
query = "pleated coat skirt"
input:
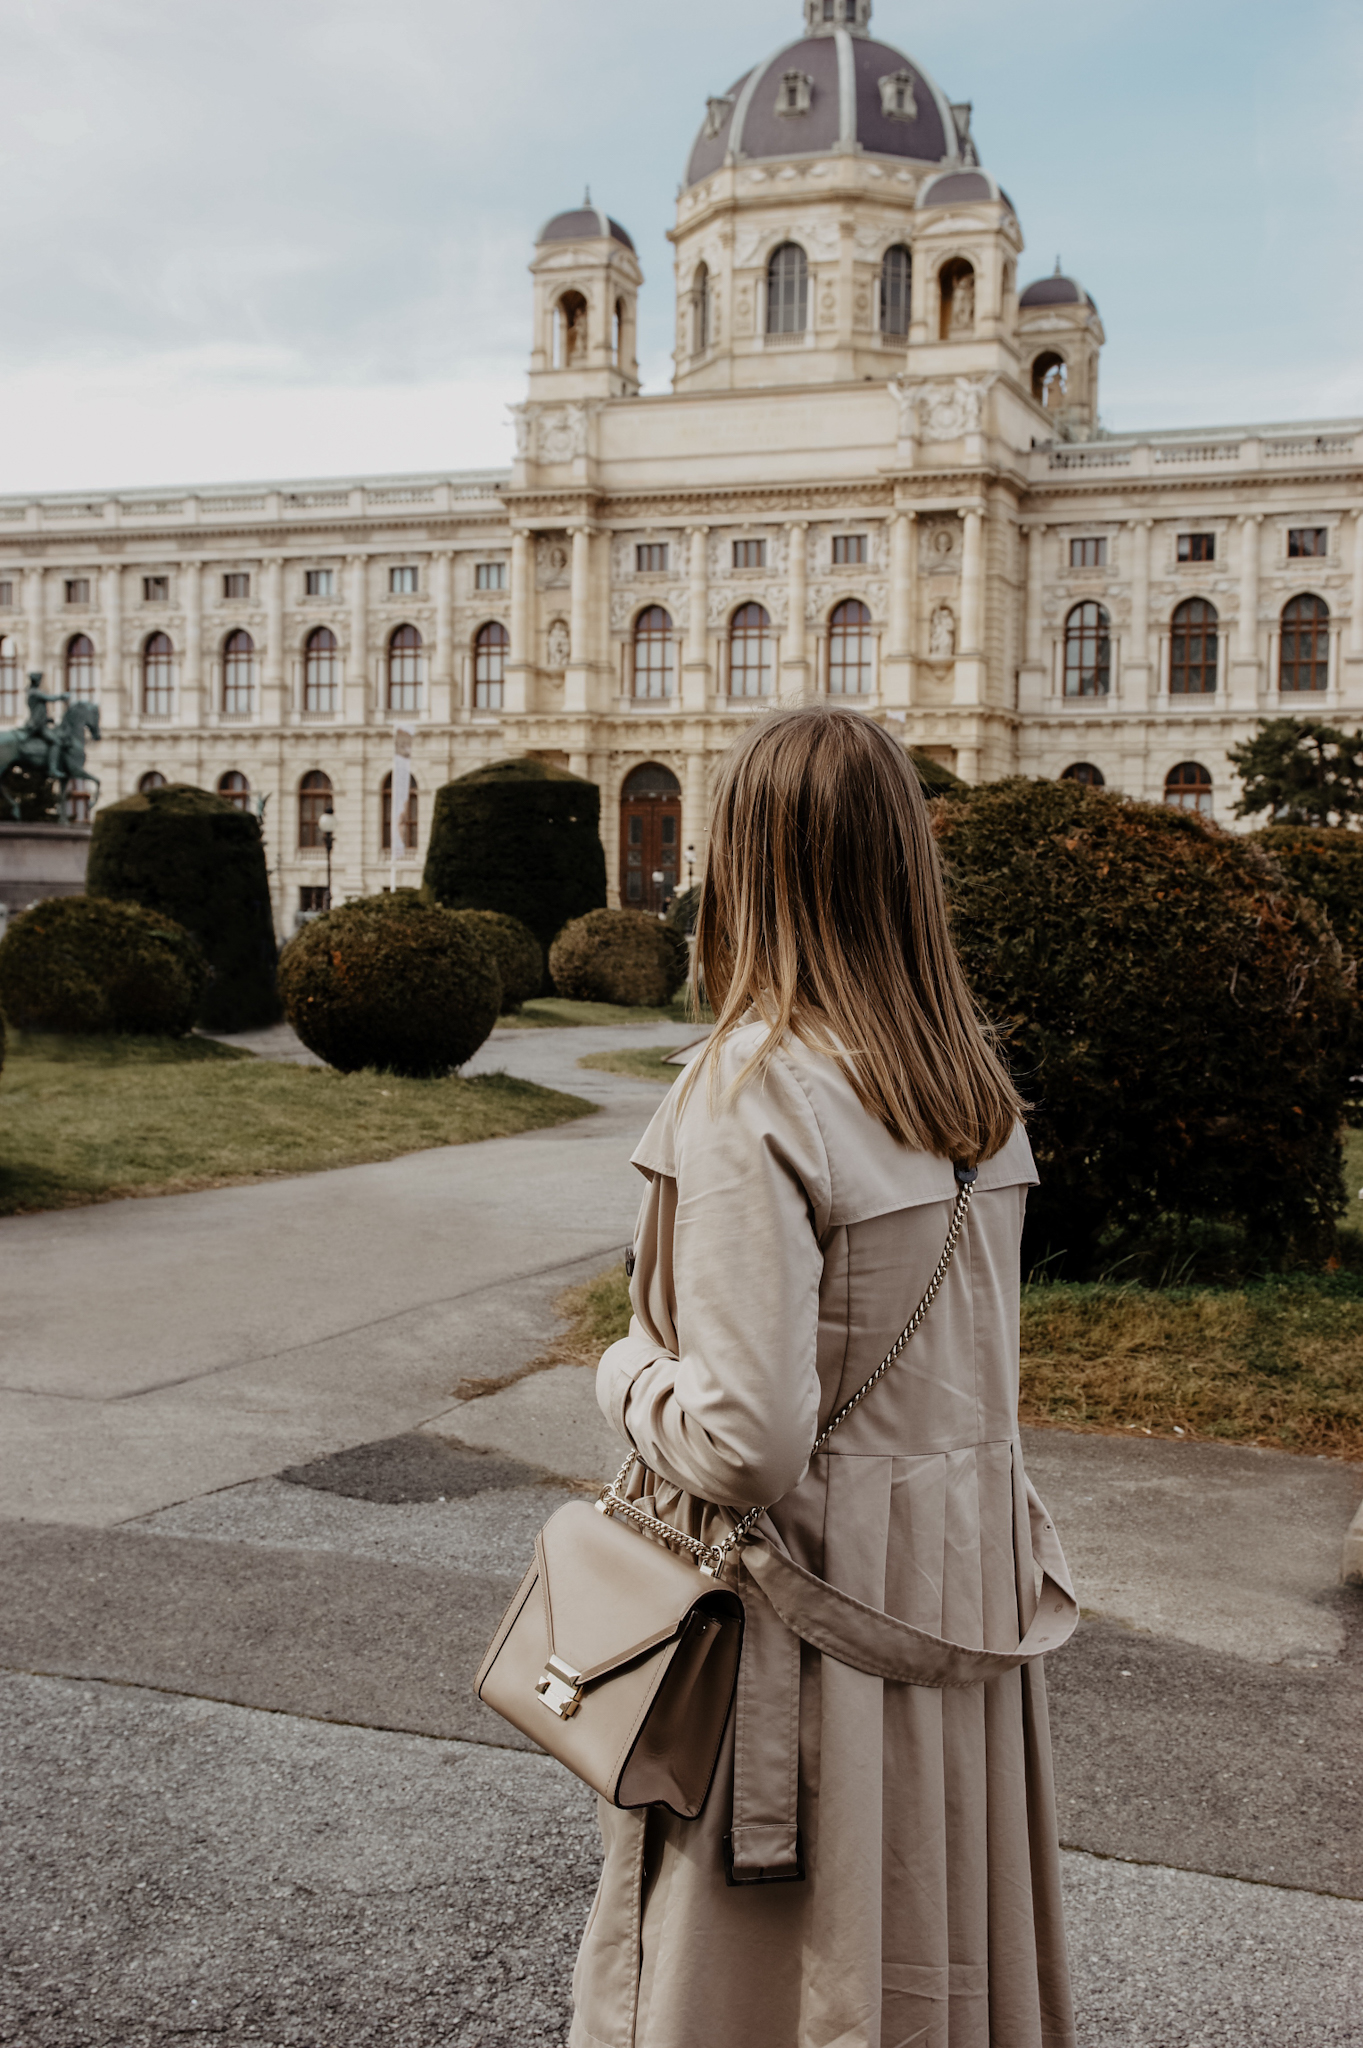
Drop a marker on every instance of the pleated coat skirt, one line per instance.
(784, 1239)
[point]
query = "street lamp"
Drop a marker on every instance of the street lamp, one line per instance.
(690, 867)
(326, 825)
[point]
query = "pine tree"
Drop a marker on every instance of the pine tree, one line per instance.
(1301, 772)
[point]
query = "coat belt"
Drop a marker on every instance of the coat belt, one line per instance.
(786, 1605)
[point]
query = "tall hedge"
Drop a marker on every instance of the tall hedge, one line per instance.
(196, 858)
(1182, 1022)
(521, 837)
(1324, 862)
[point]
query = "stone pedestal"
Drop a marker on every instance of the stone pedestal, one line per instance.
(38, 861)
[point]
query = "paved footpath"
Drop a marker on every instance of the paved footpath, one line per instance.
(270, 1465)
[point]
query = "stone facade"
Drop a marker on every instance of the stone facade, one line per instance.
(879, 473)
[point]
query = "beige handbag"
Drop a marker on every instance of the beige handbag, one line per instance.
(619, 1653)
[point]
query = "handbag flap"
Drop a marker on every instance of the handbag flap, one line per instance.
(609, 1592)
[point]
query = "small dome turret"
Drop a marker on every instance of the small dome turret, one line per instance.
(585, 223)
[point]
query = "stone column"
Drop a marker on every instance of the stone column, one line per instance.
(191, 665)
(970, 664)
(35, 609)
(1244, 678)
(1135, 679)
(357, 661)
(112, 701)
(1355, 644)
(696, 683)
(896, 681)
(442, 670)
(577, 686)
(794, 668)
(695, 813)
(273, 688)
(521, 666)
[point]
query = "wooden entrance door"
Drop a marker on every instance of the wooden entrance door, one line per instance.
(650, 837)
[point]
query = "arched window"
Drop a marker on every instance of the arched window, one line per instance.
(10, 695)
(237, 790)
(1050, 380)
(1192, 648)
(896, 276)
(650, 836)
(320, 670)
(849, 650)
(618, 332)
(404, 670)
(956, 285)
(238, 674)
(407, 825)
(1304, 646)
(653, 653)
(158, 675)
(80, 666)
(570, 331)
(787, 290)
(153, 779)
(1189, 788)
(1085, 772)
(750, 652)
(314, 801)
(489, 665)
(700, 310)
(1088, 652)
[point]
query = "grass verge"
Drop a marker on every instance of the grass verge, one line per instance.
(1279, 1363)
(640, 1062)
(90, 1119)
(556, 1012)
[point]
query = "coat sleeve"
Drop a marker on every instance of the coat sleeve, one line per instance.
(716, 1384)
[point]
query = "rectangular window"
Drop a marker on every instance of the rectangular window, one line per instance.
(650, 556)
(312, 898)
(319, 583)
(6, 593)
(1088, 554)
(156, 590)
(1306, 540)
(848, 547)
(750, 554)
(1197, 547)
(78, 590)
(236, 585)
(490, 576)
(402, 582)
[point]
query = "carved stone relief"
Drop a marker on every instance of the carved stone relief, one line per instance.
(561, 433)
(948, 410)
(939, 545)
(553, 562)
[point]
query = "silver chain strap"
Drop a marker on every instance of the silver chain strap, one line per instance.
(712, 1557)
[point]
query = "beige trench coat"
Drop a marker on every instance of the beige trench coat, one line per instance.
(782, 1243)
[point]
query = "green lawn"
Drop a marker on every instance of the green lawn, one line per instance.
(88, 1119)
(1278, 1363)
(640, 1062)
(556, 1012)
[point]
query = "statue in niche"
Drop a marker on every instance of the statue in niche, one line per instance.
(961, 319)
(558, 645)
(942, 634)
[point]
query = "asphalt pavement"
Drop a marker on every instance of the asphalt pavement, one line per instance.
(271, 1463)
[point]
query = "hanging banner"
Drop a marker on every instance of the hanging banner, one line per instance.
(403, 736)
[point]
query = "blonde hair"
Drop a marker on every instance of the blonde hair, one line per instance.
(822, 908)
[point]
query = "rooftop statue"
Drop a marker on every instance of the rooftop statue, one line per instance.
(52, 750)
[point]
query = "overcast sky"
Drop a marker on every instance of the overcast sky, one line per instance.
(289, 237)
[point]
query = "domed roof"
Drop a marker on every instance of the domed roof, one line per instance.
(1056, 291)
(585, 223)
(962, 188)
(837, 90)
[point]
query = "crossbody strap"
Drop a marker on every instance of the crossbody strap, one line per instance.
(712, 1557)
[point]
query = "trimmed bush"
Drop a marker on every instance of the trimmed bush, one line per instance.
(615, 956)
(522, 837)
(1325, 863)
(195, 857)
(1183, 1024)
(681, 912)
(519, 954)
(79, 964)
(934, 779)
(393, 983)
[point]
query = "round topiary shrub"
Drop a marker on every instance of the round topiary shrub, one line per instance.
(1182, 1023)
(391, 983)
(614, 956)
(196, 858)
(681, 911)
(518, 953)
(522, 837)
(1325, 863)
(75, 963)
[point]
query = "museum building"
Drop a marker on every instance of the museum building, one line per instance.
(879, 476)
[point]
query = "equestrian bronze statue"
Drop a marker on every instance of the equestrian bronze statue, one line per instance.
(54, 750)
